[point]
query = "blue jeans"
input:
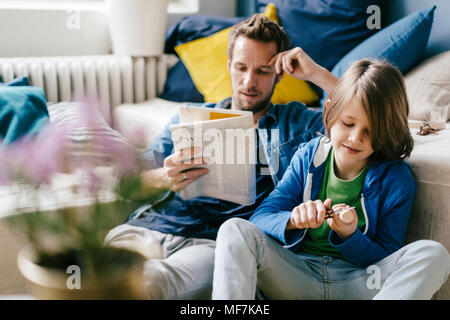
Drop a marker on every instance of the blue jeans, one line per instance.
(246, 259)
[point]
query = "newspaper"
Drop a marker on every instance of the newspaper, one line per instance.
(227, 139)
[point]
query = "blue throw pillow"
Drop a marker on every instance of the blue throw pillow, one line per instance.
(23, 111)
(325, 30)
(179, 85)
(402, 43)
(17, 82)
(195, 27)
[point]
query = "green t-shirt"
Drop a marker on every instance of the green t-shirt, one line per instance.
(339, 191)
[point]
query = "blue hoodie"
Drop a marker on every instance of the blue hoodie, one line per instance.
(387, 197)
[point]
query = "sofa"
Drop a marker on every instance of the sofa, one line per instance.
(408, 43)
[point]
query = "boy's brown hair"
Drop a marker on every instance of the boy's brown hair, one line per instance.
(259, 27)
(380, 88)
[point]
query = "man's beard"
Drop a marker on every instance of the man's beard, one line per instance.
(257, 107)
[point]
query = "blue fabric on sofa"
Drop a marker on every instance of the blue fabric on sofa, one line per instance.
(179, 85)
(23, 110)
(325, 29)
(21, 81)
(338, 26)
(402, 43)
(195, 27)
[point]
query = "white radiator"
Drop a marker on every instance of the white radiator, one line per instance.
(109, 79)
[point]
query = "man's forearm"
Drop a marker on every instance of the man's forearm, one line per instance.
(143, 185)
(324, 79)
(152, 183)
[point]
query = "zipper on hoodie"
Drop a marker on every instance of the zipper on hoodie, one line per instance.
(363, 206)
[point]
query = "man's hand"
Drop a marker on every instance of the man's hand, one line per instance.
(182, 168)
(295, 62)
(308, 215)
(179, 170)
(344, 230)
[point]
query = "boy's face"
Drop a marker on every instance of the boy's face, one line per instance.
(350, 136)
(252, 79)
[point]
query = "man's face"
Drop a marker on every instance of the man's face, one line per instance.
(252, 79)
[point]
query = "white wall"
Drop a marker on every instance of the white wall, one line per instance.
(57, 32)
(226, 8)
(40, 33)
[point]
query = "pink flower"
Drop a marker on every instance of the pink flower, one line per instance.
(35, 159)
(4, 165)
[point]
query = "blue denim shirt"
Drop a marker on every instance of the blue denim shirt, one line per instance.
(280, 132)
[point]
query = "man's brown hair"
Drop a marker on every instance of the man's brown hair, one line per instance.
(259, 27)
(380, 88)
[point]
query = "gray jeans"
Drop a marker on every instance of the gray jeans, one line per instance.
(177, 267)
(246, 258)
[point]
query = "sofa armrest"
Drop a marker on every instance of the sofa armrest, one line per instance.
(140, 123)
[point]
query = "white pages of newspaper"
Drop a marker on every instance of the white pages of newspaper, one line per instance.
(227, 139)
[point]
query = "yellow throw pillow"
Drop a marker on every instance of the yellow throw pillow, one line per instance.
(206, 60)
(271, 13)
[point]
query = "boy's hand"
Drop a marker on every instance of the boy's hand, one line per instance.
(308, 215)
(344, 230)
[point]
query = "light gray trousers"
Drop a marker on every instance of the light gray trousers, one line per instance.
(177, 267)
(246, 258)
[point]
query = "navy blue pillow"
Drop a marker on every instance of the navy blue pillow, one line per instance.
(195, 27)
(179, 85)
(325, 29)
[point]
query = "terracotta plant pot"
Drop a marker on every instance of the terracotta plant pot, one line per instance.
(121, 278)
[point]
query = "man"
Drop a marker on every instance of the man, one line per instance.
(186, 229)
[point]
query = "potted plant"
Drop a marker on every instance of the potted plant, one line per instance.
(137, 27)
(66, 258)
